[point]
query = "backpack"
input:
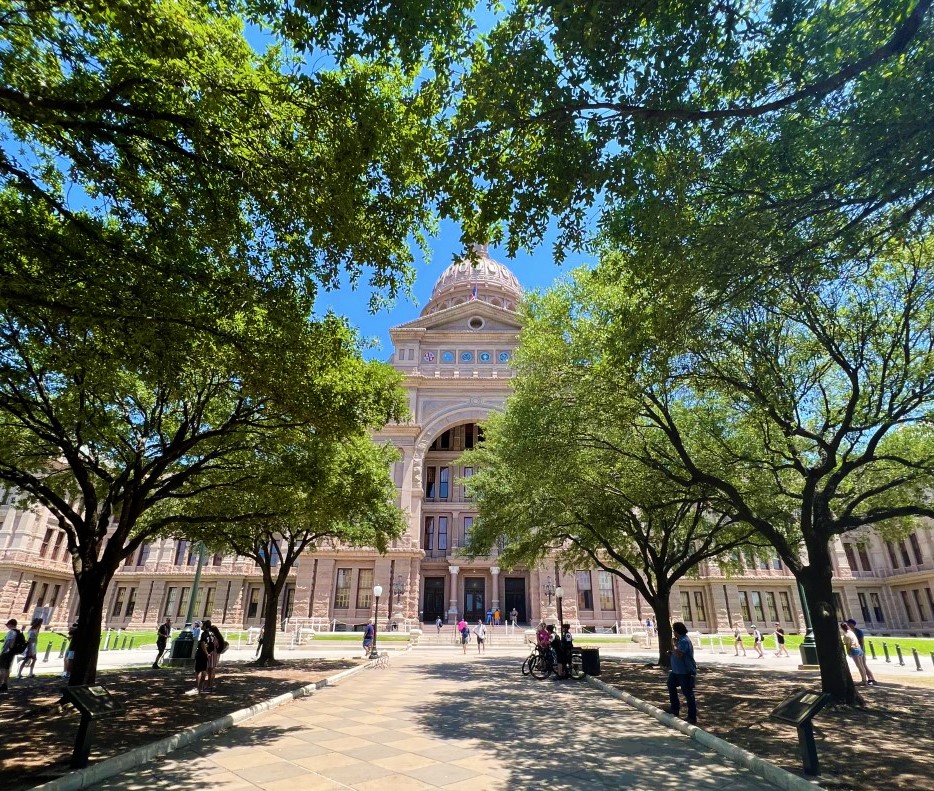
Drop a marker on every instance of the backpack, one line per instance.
(19, 643)
(465, 632)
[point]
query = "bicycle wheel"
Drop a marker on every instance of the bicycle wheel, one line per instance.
(576, 666)
(527, 664)
(541, 667)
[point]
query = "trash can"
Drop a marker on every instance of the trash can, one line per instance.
(183, 648)
(590, 659)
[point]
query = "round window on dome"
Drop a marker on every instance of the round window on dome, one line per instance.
(475, 323)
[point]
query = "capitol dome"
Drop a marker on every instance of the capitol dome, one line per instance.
(485, 280)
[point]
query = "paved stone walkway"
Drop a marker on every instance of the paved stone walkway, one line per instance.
(448, 721)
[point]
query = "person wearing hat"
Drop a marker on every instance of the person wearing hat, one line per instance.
(861, 639)
(757, 641)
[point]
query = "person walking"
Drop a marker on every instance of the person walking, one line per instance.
(438, 624)
(780, 639)
(861, 639)
(369, 636)
(464, 631)
(514, 617)
(757, 641)
(851, 643)
(259, 641)
(70, 652)
(480, 631)
(162, 640)
(738, 641)
(29, 657)
(203, 653)
(214, 657)
(683, 673)
(7, 652)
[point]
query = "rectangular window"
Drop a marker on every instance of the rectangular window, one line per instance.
(919, 603)
(59, 542)
(468, 526)
(892, 556)
(183, 603)
(208, 602)
(877, 608)
(342, 590)
(47, 539)
(930, 601)
(757, 606)
(838, 606)
(686, 607)
(607, 600)
(142, 557)
(468, 474)
(584, 591)
(429, 542)
(864, 607)
(32, 592)
(444, 483)
(364, 589)
(170, 598)
(699, 609)
(181, 552)
(131, 601)
(850, 556)
(777, 563)
(916, 548)
(744, 606)
(40, 599)
(56, 592)
(442, 532)
(764, 565)
(906, 558)
(906, 602)
(864, 557)
(430, 477)
(118, 603)
(786, 606)
(770, 603)
(217, 560)
(253, 607)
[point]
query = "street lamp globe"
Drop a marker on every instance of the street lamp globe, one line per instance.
(377, 591)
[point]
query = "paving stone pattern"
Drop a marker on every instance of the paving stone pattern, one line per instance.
(447, 721)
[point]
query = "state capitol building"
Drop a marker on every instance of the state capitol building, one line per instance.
(456, 359)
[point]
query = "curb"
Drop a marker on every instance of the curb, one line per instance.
(775, 775)
(82, 778)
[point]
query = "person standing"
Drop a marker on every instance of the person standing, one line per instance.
(438, 624)
(70, 653)
(683, 673)
(780, 639)
(259, 641)
(497, 617)
(480, 631)
(514, 617)
(162, 639)
(757, 641)
(489, 617)
(214, 657)
(861, 639)
(369, 635)
(203, 653)
(738, 641)
(32, 640)
(7, 652)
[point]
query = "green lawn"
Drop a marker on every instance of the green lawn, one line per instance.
(139, 638)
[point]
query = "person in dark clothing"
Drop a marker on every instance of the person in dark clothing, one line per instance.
(683, 673)
(162, 640)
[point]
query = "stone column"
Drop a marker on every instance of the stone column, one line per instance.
(494, 570)
(452, 609)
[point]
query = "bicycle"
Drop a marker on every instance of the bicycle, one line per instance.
(541, 664)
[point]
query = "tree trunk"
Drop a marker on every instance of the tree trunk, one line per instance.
(817, 580)
(661, 606)
(92, 593)
(270, 621)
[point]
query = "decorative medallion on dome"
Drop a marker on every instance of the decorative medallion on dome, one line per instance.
(482, 280)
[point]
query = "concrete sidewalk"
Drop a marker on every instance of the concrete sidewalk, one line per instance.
(441, 721)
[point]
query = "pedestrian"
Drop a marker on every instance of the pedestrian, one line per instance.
(497, 617)
(29, 657)
(861, 639)
(438, 624)
(480, 631)
(369, 636)
(851, 643)
(70, 652)
(214, 657)
(564, 645)
(7, 652)
(543, 638)
(489, 617)
(649, 630)
(757, 641)
(259, 641)
(683, 673)
(514, 617)
(196, 631)
(203, 654)
(464, 631)
(738, 641)
(780, 639)
(162, 639)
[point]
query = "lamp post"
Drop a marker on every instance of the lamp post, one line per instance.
(559, 595)
(377, 592)
(549, 589)
(808, 647)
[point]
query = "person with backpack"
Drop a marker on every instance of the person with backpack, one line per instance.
(14, 643)
(464, 632)
(29, 656)
(214, 658)
(203, 658)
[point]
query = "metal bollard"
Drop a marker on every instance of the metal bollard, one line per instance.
(48, 650)
(106, 645)
(901, 659)
(123, 644)
(885, 647)
(872, 649)
(61, 653)
(917, 658)
(132, 640)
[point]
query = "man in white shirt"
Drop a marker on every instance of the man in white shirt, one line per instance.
(480, 631)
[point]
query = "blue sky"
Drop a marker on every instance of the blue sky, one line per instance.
(535, 270)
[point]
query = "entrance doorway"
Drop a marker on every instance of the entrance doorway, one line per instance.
(474, 598)
(434, 599)
(515, 598)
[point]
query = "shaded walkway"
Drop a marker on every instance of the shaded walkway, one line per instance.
(433, 721)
